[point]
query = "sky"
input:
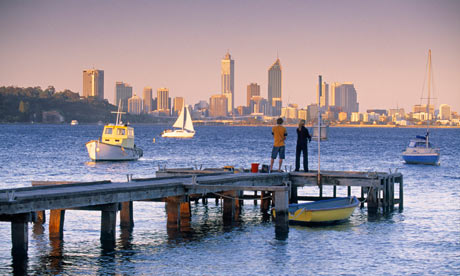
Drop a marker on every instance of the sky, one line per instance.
(380, 46)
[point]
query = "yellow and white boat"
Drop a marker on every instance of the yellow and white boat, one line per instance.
(323, 211)
(116, 144)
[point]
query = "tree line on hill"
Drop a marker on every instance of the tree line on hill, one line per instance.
(34, 104)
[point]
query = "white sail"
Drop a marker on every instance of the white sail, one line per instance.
(188, 121)
(180, 120)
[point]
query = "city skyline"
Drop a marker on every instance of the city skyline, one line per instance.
(380, 47)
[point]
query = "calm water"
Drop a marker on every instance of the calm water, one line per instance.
(422, 240)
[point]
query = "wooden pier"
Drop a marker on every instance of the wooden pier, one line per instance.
(176, 187)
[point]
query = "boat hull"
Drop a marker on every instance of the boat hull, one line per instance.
(427, 159)
(323, 211)
(98, 151)
(177, 134)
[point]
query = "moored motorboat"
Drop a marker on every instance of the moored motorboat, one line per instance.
(74, 123)
(323, 211)
(116, 144)
(420, 150)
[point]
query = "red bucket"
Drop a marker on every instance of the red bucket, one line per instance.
(255, 167)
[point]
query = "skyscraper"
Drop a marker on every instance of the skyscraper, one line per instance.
(345, 97)
(123, 92)
(218, 106)
(178, 104)
(135, 105)
(275, 88)
(253, 90)
(147, 96)
(163, 100)
(444, 112)
(324, 99)
(93, 83)
(228, 81)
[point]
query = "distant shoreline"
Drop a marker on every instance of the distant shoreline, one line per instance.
(252, 125)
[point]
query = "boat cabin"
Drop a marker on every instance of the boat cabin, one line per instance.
(118, 135)
(418, 144)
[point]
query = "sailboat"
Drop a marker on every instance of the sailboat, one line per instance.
(183, 127)
(420, 150)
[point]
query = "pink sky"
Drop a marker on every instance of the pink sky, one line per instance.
(380, 46)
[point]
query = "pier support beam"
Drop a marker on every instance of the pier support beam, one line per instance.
(108, 223)
(293, 198)
(264, 201)
(373, 200)
(185, 216)
(173, 211)
(20, 235)
(230, 206)
(282, 214)
(126, 215)
(401, 194)
(56, 224)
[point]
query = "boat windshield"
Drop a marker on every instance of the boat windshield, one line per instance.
(121, 131)
(108, 130)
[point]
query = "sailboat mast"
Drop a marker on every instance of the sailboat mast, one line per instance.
(429, 95)
(319, 127)
(185, 116)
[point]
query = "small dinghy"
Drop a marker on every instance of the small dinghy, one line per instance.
(324, 211)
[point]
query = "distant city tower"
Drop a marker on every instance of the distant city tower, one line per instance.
(93, 83)
(228, 81)
(123, 92)
(275, 88)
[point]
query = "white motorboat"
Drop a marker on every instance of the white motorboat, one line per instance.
(183, 127)
(116, 144)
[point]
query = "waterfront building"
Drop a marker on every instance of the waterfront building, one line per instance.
(135, 105)
(163, 101)
(228, 81)
(290, 112)
(123, 92)
(253, 89)
(324, 99)
(344, 95)
(356, 117)
(275, 88)
(302, 115)
(342, 116)
(419, 108)
(218, 106)
(312, 112)
(258, 105)
(444, 112)
(178, 103)
(147, 97)
(93, 83)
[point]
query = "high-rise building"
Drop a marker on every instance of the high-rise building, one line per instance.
(123, 92)
(228, 81)
(275, 88)
(444, 112)
(253, 90)
(135, 105)
(163, 101)
(344, 96)
(147, 97)
(178, 104)
(93, 83)
(258, 105)
(324, 99)
(218, 106)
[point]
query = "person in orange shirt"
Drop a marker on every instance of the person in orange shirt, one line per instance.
(279, 135)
